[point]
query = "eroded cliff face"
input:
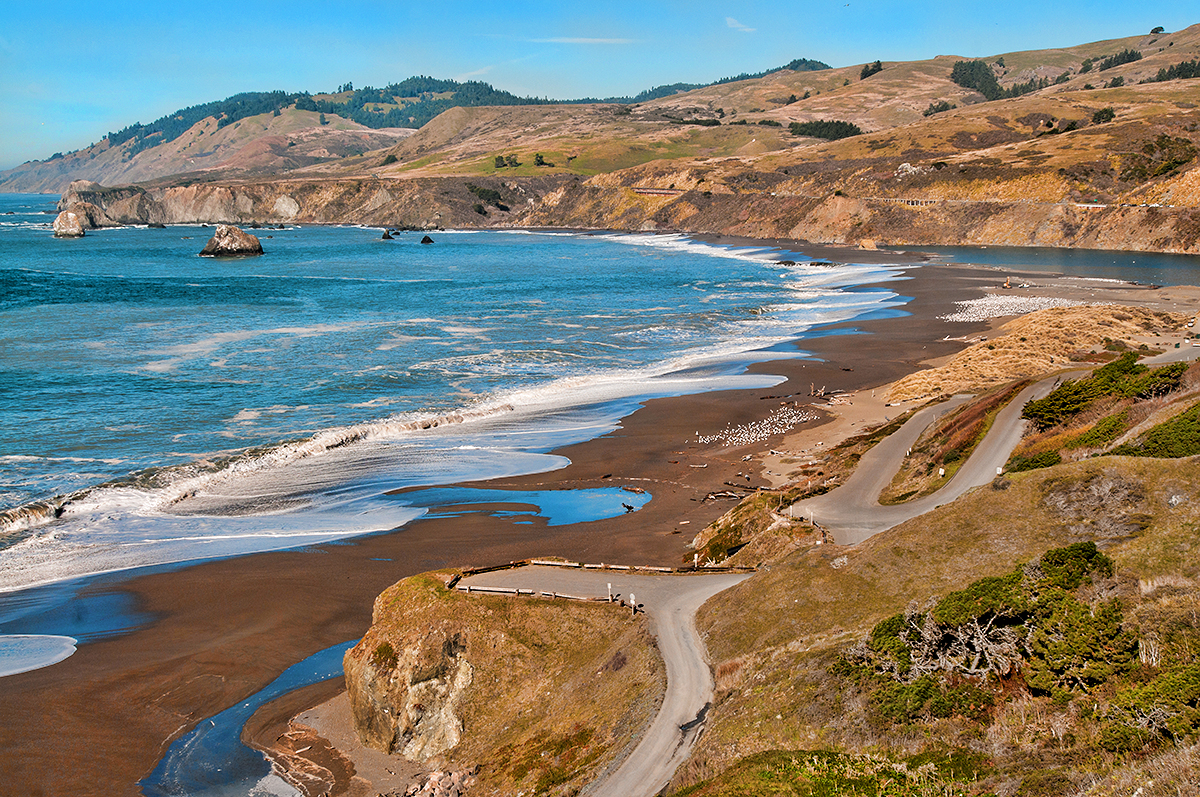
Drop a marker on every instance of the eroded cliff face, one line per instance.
(406, 696)
(738, 203)
(408, 204)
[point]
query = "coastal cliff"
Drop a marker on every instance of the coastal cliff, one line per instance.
(723, 204)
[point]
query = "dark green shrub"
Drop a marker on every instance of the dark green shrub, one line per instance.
(831, 130)
(1002, 596)
(1105, 431)
(887, 638)
(1168, 706)
(1117, 737)
(1066, 568)
(1073, 647)
(489, 195)
(939, 107)
(1046, 459)
(1178, 437)
(1103, 115)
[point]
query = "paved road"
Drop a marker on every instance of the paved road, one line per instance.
(671, 603)
(853, 513)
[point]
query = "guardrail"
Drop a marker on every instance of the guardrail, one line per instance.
(453, 581)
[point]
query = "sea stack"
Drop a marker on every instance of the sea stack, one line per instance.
(229, 241)
(68, 224)
(426, 240)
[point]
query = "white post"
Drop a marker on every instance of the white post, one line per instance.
(695, 560)
(999, 471)
(632, 604)
(610, 592)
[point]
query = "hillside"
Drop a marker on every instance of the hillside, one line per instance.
(257, 146)
(310, 122)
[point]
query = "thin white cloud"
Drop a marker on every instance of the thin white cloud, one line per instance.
(733, 23)
(580, 40)
(475, 73)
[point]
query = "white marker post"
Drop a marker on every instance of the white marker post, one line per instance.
(632, 604)
(610, 592)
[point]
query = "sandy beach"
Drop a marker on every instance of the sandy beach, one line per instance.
(99, 721)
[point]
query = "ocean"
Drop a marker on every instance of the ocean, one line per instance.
(159, 407)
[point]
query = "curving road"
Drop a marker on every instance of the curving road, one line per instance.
(670, 602)
(853, 512)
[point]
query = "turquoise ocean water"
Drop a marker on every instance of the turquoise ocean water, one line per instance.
(156, 406)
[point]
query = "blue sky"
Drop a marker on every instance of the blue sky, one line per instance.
(67, 77)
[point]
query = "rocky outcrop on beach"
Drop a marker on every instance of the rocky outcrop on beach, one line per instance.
(405, 696)
(229, 241)
(514, 691)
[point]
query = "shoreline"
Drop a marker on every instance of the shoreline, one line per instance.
(226, 627)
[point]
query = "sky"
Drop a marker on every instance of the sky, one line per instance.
(68, 79)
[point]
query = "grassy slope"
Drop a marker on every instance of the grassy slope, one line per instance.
(774, 689)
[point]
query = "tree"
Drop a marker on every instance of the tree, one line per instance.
(1156, 31)
(830, 130)
(500, 164)
(538, 160)
(870, 69)
(321, 119)
(511, 160)
(939, 107)
(1116, 82)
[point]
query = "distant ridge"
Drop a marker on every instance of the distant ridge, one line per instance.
(412, 102)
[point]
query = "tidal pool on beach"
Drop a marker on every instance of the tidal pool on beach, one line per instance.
(24, 652)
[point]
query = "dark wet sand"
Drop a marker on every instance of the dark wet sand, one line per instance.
(99, 721)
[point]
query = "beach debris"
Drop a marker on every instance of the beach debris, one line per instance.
(229, 241)
(993, 306)
(782, 420)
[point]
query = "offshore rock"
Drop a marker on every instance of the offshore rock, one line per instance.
(426, 240)
(76, 217)
(68, 224)
(229, 241)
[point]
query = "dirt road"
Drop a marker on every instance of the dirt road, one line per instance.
(853, 513)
